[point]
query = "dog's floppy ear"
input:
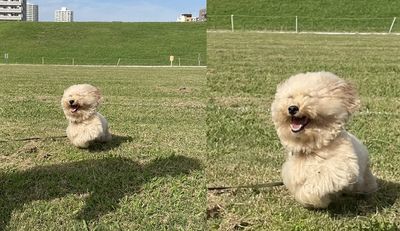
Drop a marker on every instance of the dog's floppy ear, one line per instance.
(349, 96)
(97, 93)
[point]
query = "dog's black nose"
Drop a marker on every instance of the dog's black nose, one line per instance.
(293, 110)
(71, 101)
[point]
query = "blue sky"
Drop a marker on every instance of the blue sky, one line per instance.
(121, 10)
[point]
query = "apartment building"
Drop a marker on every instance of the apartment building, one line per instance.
(64, 15)
(32, 12)
(12, 10)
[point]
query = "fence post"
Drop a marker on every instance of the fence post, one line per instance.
(119, 60)
(198, 59)
(233, 29)
(297, 28)
(73, 61)
(6, 58)
(42, 60)
(391, 26)
(179, 60)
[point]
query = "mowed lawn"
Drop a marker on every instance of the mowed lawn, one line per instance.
(105, 43)
(242, 145)
(150, 177)
(313, 15)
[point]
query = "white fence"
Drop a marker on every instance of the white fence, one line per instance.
(197, 60)
(302, 24)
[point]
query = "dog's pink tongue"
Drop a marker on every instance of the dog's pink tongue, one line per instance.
(295, 126)
(74, 108)
(297, 123)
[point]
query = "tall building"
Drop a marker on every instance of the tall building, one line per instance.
(64, 15)
(12, 10)
(32, 12)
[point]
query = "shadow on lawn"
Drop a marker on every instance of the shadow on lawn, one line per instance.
(351, 206)
(115, 142)
(105, 181)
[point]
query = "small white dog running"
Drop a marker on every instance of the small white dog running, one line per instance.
(86, 125)
(310, 112)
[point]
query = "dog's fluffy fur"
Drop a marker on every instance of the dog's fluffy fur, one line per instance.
(86, 125)
(309, 113)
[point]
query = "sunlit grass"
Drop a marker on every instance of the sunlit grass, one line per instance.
(242, 145)
(144, 179)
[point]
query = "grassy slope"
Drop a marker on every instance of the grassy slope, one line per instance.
(243, 148)
(310, 14)
(150, 177)
(103, 43)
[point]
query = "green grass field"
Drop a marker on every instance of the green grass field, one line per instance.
(243, 148)
(150, 177)
(313, 15)
(103, 43)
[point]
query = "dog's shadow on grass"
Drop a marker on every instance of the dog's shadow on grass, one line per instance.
(351, 206)
(103, 182)
(115, 142)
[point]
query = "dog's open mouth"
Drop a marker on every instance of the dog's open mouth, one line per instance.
(297, 124)
(74, 108)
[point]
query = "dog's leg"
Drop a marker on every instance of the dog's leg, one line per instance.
(77, 140)
(80, 143)
(82, 135)
(106, 135)
(369, 184)
(321, 180)
(304, 179)
(310, 198)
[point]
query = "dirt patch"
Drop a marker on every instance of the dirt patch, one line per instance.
(214, 211)
(185, 89)
(31, 147)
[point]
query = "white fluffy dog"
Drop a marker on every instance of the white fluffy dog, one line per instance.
(86, 125)
(309, 113)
